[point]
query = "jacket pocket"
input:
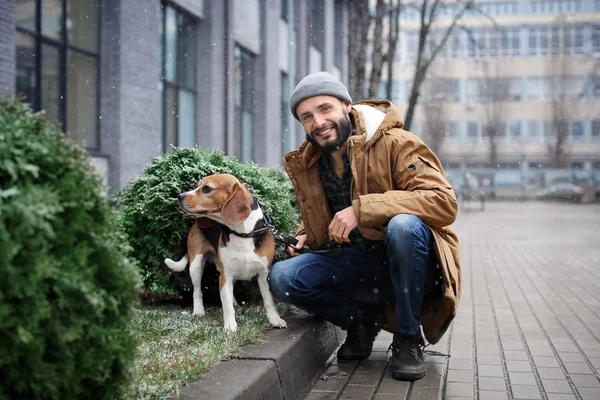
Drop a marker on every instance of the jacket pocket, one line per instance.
(419, 164)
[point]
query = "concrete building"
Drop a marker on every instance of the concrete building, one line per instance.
(130, 78)
(523, 69)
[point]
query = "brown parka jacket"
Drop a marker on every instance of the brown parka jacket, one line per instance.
(394, 172)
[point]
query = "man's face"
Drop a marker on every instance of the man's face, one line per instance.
(326, 122)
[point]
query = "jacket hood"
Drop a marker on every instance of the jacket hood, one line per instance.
(372, 117)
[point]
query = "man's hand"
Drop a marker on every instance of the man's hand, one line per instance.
(293, 251)
(342, 224)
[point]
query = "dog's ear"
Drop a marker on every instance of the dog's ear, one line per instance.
(237, 207)
(205, 222)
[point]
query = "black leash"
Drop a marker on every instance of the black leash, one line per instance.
(330, 249)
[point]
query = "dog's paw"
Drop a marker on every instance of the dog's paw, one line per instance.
(230, 326)
(278, 322)
(199, 311)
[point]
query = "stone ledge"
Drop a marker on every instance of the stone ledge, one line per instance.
(282, 367)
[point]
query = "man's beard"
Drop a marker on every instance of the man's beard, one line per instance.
(343, 129)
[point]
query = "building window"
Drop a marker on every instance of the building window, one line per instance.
(578, 40)
(178, 78)
(454, 129)
(533, 128)
(577, 130)
(411, 45)
(596, 127)
(515, 129)
(515, 42)
(317, 24)
(244, 100)
(543, 32)
(533, 41)
(472, 129)
(57, 63)
(596, 39)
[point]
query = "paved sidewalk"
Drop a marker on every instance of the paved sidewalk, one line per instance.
(528, 325)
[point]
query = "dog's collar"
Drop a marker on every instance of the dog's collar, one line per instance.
(254, 233)
(267, 224)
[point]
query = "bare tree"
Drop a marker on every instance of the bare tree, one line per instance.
(393, 34)
(559, 92)
(377, 56)
(359, 22)
(429, 12)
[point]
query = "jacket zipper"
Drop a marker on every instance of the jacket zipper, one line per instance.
(413, 166)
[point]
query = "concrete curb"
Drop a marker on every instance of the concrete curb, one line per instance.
(280, 368)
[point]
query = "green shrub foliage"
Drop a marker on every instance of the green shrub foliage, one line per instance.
(151, 217)
(67, 288)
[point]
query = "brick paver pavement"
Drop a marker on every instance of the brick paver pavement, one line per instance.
(528, 325)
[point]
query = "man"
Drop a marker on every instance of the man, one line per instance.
(378, 192)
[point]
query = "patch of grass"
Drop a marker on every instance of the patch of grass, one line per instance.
(175, 347)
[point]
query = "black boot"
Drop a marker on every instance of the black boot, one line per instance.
(407, 357)
(361, 334)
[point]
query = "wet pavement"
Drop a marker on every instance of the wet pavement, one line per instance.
(528, 325)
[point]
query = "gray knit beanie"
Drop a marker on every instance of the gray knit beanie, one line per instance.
(318, 84)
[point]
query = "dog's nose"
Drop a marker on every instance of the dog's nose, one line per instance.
(181, 196)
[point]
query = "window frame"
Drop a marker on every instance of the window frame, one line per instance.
(176, 84)
(63, 47)
(239, 109)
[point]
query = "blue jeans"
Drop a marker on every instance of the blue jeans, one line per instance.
(405, 273)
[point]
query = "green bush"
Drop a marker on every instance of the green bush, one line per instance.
(67, 289)
(151, 217)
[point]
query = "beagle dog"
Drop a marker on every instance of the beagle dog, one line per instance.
(231, 231)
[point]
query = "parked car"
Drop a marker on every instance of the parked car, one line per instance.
(562, 191)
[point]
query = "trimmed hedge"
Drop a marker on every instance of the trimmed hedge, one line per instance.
(151, 217)
(67, 288)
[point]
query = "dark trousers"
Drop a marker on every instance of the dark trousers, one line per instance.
(405, 272)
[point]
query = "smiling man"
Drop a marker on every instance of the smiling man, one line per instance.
(378, 196)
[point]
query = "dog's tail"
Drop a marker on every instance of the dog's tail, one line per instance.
(177, 266)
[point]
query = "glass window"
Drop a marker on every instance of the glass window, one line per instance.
(577, 129)
(179, 79)
(473, 43)
(26, 84)
(170, 44)
(543, 32)
(533, 41)
(505, 41)
(578, 40)
(50, 84)
(596, 39)
(515, 44)
(62, 79)
(555, 39)
(82, 24)
(52, 18)
(454, 129)
(472, 129)
(82, 98)
(244, 100)
(533, 128)
(596, 127)
(515, 128)
(495, 42)
(25, 14)
(170, 116)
